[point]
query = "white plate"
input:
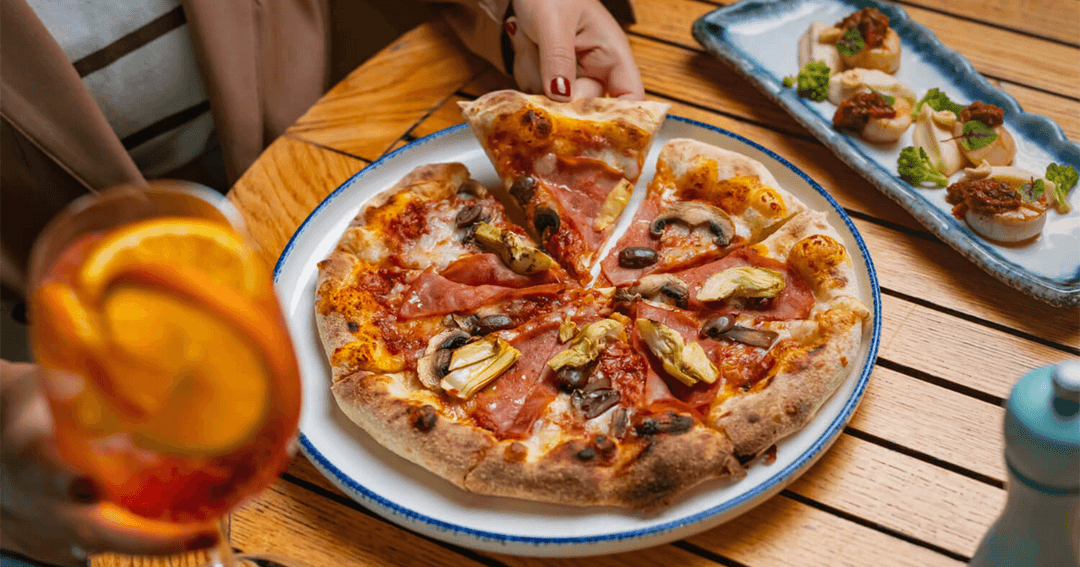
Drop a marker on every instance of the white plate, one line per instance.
(414, 498)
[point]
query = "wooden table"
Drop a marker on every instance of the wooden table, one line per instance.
(917, 476)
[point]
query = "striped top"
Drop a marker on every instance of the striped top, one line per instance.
(136, 59)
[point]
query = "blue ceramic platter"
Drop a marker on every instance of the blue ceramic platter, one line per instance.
(759, 38)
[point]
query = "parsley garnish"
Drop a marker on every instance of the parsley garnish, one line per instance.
(1032, 190)
(976, 136)
(851, 44)
(889, 100)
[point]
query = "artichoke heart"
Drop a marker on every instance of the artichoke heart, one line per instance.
(567, 330)
(687, 363)
(588, 343)
(613, 205)
(475, 365)
(508, 246)
(744, 281)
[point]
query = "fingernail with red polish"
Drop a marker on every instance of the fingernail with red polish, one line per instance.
(84, 490)
(560, 86)
(201, 541)
(511, 28)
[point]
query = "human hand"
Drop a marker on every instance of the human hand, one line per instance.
(571, 49)
(49, 511)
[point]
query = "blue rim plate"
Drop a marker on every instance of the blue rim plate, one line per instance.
(758, 38)
(418, 500)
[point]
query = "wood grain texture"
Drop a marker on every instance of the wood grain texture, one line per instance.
(404, 82)
(1043, 18)
(923, 417)
(291, 521)
(903, 493)
(982, 358)
(278, 192)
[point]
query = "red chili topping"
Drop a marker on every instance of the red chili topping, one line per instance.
(855, 112)
(986, 196)
(986, 113)
(871, 23)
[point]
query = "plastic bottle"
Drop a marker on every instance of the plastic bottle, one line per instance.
(1040, 525)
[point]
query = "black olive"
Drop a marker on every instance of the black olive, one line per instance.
(423, 417)
(469, 215)
(671, 423)
(637, 257)
(598, 401)
(572, 376)
(716, 326)
(752, 337)
(491, 323)
(680, 294)
(470, 186)
(586, 454)
(353, 326)
(522, 189)
(546, 222)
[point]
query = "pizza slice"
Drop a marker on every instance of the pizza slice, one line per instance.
(702, 202)
(756, 341)
(570, 166)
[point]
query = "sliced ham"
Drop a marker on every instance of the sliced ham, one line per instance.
(488, 269)
(795, 302)
(433, 294)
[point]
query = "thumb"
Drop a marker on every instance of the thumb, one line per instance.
(558, 58)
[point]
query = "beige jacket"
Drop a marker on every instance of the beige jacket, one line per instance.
(264, 62)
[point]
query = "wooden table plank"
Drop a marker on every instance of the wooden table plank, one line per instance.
(959, 351)
(276, 194)
(885, 487)
(404, 82)
(290, 521)
(916, 415)
(1043, 18)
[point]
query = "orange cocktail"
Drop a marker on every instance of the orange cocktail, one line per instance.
(169, 369)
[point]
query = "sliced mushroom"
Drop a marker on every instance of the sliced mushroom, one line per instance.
(476, 364)
(717, 326)
(509, 246)
(694, 214)
(470, 215)
(572, 377)
(436, 360)
(472, 187)
(753, 337)
(522, 189)
(597, 402)
(546, 222)
(743, 281)
(687, 363)
(662, 288)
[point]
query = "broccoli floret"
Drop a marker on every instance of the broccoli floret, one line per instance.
(813, 81)
(1064, 177)
(938, 101)
(915, 166)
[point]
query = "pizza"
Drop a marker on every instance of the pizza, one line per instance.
(571, 166)
(477, 348)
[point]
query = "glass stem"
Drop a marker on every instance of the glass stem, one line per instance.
(221, 555)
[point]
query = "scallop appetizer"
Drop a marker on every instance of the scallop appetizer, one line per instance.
(1001, 150)
(818, 44)
(1005, 204)
(844, 85)
(876, 117)
(934, 133)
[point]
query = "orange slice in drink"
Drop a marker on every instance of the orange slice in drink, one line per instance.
(211, 247)
(193, 338)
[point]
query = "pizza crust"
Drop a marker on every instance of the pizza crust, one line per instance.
(645, 474)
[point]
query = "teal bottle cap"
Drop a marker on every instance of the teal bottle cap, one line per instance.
(1042, 427)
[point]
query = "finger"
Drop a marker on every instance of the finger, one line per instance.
(587, 87)
(624, 80)
(558, 58)
(526, 59)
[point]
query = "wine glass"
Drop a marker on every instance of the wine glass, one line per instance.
(167, 363)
